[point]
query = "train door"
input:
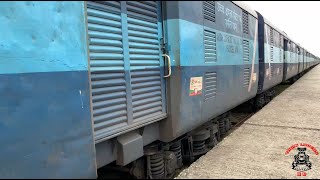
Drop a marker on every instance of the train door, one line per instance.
(302, 52)
(126, 65)
(299, 59)
(285, 58)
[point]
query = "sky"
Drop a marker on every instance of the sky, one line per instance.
(299, 19)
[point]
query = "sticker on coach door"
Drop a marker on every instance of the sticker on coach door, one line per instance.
(195, 86)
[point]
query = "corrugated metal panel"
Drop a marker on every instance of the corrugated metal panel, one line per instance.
(210, 46)
(210, 86)
(144, 59)
(271, 53)
(209, 12)
(106, 66)
(245, 22)
(246, 53)
(246, 77)
(127, 84)
(271, 36)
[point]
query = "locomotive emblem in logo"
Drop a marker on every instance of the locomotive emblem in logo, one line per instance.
(301, 161)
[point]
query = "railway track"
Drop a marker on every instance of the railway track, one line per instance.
(238, 118)
(239, 115)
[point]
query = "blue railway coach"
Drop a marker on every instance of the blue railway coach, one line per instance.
(144, 86)
(271, 59)
(218, 46)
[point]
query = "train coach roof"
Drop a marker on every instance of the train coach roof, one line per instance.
(280, 31)
(274, 27)
(301, 46)
(246, 7)
(289, 38)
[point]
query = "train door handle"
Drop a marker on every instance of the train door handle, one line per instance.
(169, 65)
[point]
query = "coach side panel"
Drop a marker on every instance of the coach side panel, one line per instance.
(45, 99)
